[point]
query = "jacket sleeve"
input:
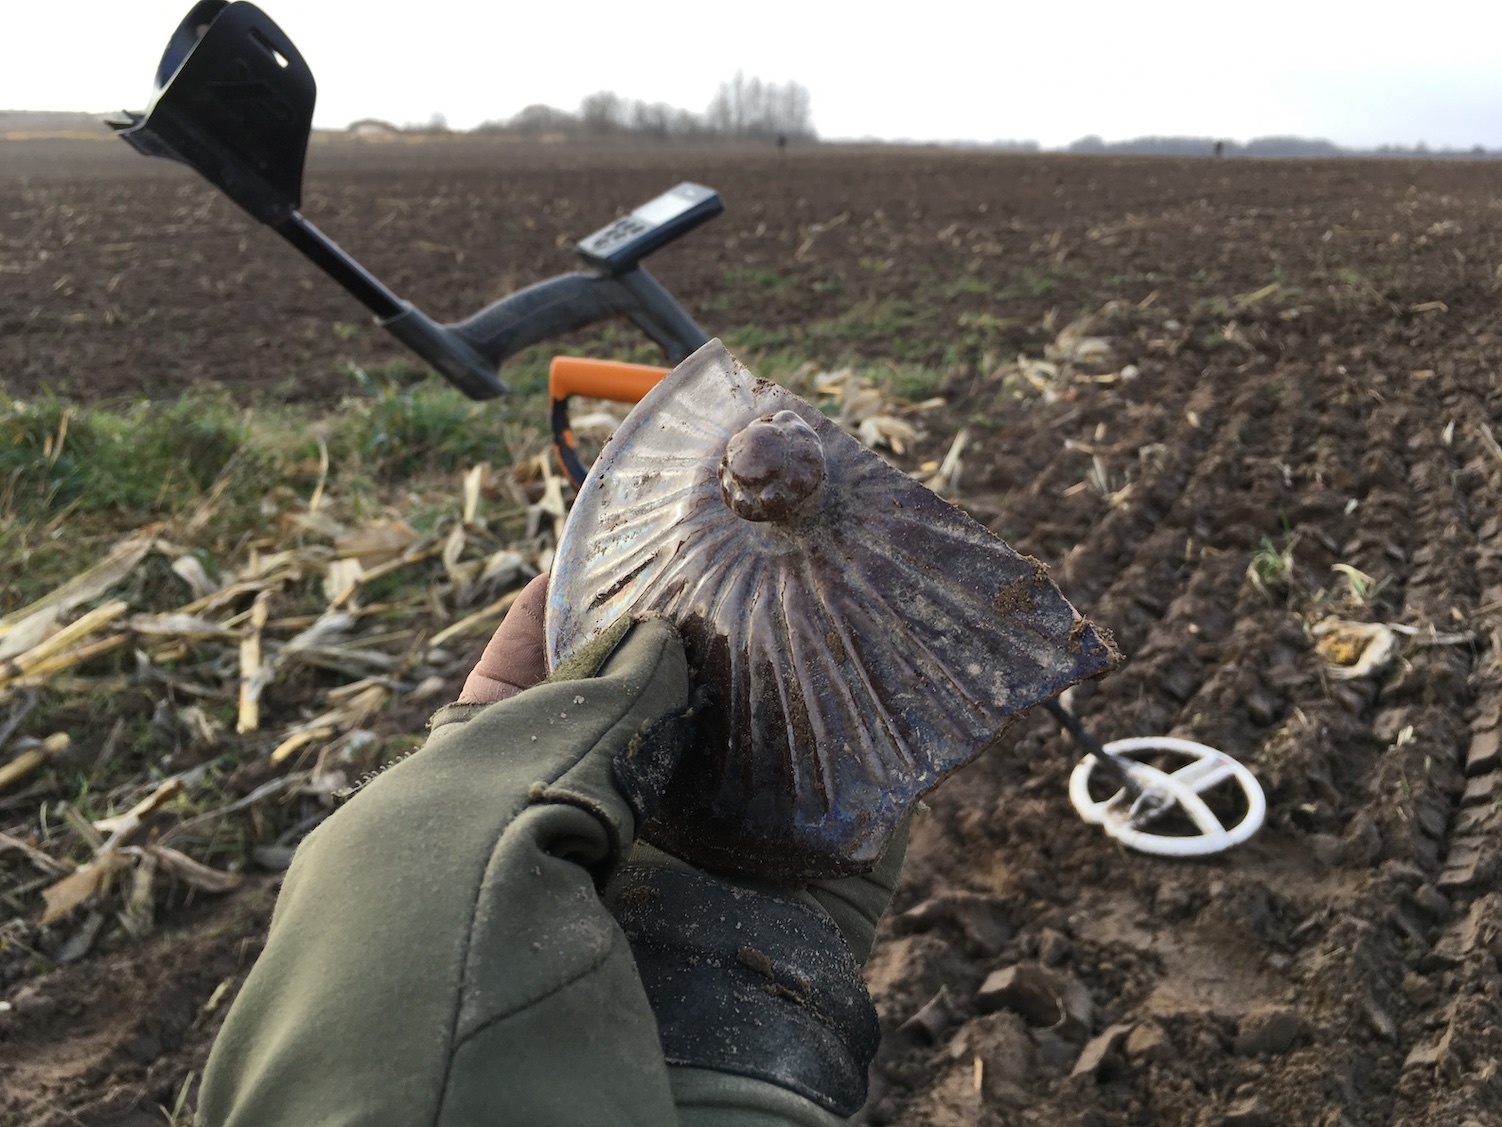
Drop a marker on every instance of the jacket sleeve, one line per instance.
(440, 955)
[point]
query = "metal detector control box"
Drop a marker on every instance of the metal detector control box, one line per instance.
(624, 243)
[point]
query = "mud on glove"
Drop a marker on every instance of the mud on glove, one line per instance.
(747, 979)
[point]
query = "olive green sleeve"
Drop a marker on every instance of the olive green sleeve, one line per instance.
(439, 954)
(706, 1098)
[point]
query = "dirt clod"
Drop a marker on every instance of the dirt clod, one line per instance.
(933, 1020)
(1046, 998)
(1483, 790)
(981, 920)
(1098, 1050)
(1484, 753)
(1007, 1055)
(1269, 1029)
(1147, 1042)
(1053, 947)
(1250, 1112)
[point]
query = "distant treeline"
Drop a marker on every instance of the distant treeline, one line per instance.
(1267, 147)
(744, 108)
(752, 109)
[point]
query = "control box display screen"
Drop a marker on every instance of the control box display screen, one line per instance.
(622, 244)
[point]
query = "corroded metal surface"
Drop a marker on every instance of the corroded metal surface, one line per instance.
(864, 637)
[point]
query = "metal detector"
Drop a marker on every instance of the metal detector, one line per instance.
(233, 100)
(1146, 795)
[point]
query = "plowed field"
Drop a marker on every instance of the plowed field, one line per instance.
(1301, 386)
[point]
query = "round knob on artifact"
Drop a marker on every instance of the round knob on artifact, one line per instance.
(772, 467)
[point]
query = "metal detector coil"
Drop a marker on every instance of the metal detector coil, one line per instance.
(1127, 818)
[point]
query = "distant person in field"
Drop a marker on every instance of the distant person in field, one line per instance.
(474, 938)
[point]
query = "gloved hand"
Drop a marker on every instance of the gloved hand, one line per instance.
(514, 660)
(439, 953)
(755, 985)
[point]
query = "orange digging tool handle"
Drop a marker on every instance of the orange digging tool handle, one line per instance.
(598, 379)
(601, 379)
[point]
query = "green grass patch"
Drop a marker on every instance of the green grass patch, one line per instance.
(75, 477)
(158, 459)
(765, 280)
(968, 287)
(393, 431)
(1030, 284)
(144, 456)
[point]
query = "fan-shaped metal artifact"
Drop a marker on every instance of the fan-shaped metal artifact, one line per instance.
(863, 637)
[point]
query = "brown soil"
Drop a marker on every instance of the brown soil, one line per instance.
(1340, 969)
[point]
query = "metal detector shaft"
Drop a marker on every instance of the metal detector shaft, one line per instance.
(468, 352)
(324, 253)
(442, 346)
(1113, 764)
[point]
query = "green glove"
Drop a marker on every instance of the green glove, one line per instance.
(439, 953)
(756, 986)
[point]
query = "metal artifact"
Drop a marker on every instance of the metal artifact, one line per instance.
(863, 638)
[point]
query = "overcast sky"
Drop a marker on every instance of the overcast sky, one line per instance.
(1360, 74)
